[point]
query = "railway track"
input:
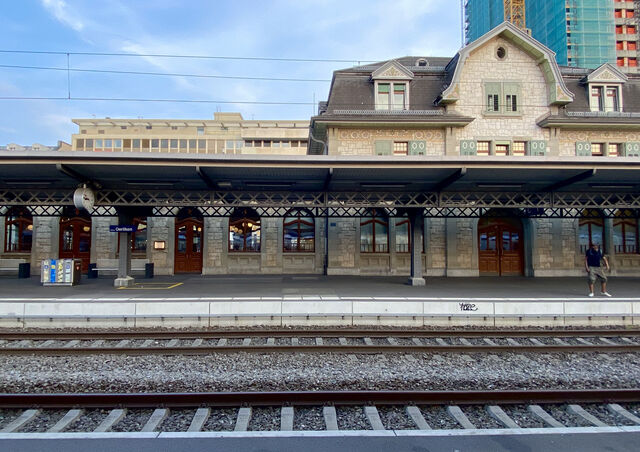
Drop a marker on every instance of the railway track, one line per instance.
(318, 341)
(318, 411)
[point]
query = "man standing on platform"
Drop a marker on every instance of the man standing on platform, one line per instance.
(592, 263)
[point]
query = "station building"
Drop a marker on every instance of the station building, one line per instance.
(494, 162)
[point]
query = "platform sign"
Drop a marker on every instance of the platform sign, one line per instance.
(122, 228)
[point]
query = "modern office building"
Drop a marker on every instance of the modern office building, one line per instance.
(582, 33)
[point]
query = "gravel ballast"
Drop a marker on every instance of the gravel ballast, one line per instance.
(312, 372)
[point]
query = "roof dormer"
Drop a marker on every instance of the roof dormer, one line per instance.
(604, 86)
(391, 86)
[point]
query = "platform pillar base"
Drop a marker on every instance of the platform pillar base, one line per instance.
(127, 281)
(417, 282)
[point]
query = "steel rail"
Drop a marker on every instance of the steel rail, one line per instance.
(362, 349)
(234, 333)
(309, 398)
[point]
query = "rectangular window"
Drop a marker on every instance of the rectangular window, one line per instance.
(155, 144)
(617, 14)
(620, 62)
(398, 96)
(202, 145)
(88, 144)
(266, 144)
(400, 148)
(145, 144)
(200, 130)
(228, 146)
(633, 62)
(174, 144)
(275, 144)
(631, 30)
(248, 143)
(80, 145)
(519, 148)
(117, 144)
(632, 45)
(482, 148)
(614, 149)
(183, 145)
(164, 144)
(502, 149)
(596, 98)
(286, 144)
(384, 90)
(108, 144)
(619, 45)
(611, 101)
(512, 102)
(597, 149)
(493, 102)
(239, 144)
(619, 29)
(295, 144)
(127, 144)
(98, 145)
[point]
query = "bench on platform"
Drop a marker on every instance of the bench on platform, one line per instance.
(11, 266)
(110, 266)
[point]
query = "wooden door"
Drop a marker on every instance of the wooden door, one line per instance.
(500, 247)
(188, 257)
(75, 240)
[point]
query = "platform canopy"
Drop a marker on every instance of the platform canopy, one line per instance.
(319, 182)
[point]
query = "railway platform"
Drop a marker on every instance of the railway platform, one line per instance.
(275, 300)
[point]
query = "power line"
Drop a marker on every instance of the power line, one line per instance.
(168, 74)
(195, 57)
(128, 99)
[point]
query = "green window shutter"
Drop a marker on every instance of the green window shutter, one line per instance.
(384, 147)
(538, 148)
(583, 149)
(468, 147)
(631, 149)
(492, 96)
(512, 98)
(417, 148)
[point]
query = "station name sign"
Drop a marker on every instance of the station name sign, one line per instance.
(122, 228)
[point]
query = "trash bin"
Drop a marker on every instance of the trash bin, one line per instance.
(24, 270)
(92, 273)
(148, 270)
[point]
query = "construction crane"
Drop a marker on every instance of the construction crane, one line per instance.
(514, 12)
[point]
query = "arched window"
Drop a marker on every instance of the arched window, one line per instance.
(299, 232)
(139, 235)
(374, 233)
(403, 235)
(591, 229)
(244, 231)
(625, 233)
(18, 231)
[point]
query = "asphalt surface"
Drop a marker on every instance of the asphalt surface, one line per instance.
(301, 285)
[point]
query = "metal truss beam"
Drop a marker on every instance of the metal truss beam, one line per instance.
(572, 180)
(272, 203)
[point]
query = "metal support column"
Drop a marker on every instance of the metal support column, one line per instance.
(416, 218)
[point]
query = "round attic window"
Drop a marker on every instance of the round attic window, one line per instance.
(501, 53)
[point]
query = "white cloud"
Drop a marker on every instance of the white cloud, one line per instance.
(61, 11)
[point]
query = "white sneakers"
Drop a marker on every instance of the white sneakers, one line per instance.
(606, 294)
(591, 294)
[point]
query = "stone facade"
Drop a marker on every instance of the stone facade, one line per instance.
(353, 141)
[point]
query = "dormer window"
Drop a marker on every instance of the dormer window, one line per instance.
(391, 86)
(391, 96)
(605, 98)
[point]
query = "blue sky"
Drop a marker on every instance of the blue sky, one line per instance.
(354, 30)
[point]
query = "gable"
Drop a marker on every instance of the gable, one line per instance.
(558, 94)
(392, 70)
(606, 73)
